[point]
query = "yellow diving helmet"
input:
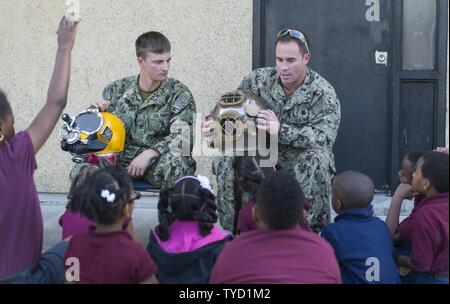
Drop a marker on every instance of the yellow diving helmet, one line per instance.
(92, 134)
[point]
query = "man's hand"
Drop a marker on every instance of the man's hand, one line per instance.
(268, 121)
(101, 104)
(141, 163)
(207, 125)
(442, 149)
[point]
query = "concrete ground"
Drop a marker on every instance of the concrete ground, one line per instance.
(145, 216)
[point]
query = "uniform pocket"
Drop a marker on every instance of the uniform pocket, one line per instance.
(152, 124)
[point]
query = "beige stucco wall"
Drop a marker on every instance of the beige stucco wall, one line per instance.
(211, 49)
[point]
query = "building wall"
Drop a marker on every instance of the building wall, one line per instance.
(447, 126)
(211, 49)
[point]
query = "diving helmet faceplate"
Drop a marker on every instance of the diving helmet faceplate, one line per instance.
(91, 132)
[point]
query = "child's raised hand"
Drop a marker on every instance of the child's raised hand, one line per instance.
(66, 33)
(442, 149)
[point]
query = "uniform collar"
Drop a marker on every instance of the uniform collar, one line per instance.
(301, 94)
(356, 213)
(133, 91)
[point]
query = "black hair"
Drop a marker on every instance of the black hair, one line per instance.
(103, 195)
(5, 107)
(280, 201)
(435, 169)
(413, 157)
(301, 45)
(154, 42)
(248, 176)
(249, 173)
(85, 171)
(186, 201)
(354, 189)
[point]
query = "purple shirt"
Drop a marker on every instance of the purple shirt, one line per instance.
(426, 231)
(245, 221)
(110, 258)
(74, 223)
(294, 256)
(21, 225)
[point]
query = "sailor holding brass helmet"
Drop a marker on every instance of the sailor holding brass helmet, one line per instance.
(304, 112)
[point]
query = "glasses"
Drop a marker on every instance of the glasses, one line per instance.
(135, 196)
(296, 34)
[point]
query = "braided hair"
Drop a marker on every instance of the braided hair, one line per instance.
(103, 195)
(187, 200)
(85, 171)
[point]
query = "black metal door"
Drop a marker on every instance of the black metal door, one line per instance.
(419, 77)
(352, 47)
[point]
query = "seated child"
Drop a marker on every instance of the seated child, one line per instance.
(409, 162)
(73, 222)
(21, 222)
(403, 190)
(186, 243)
(278, 251)
(425, 232)
(361, 241)
(249, 175)
(107, 254)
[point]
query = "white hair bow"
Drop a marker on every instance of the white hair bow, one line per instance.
(110, 197)
(204, 182)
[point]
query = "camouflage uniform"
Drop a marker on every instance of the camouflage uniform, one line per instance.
(155, 124)
(309, 122)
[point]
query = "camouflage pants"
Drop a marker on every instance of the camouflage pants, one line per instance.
(164, 172)
(224, 171)
(169, 168)
(313, 169)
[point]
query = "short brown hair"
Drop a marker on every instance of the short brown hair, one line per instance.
(287, 38)
(154, 42)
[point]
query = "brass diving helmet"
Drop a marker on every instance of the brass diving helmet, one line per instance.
(235, 121)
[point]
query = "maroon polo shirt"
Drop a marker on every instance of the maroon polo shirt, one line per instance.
(294, 256)
(426, 231)
(110, 258)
